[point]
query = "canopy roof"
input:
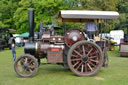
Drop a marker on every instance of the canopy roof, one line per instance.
(24, 35)
(84, 15)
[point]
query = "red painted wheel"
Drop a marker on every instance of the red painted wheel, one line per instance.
(85, 58)
(26, 66)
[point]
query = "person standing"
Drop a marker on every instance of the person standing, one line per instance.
(13, 49)
(91, 29)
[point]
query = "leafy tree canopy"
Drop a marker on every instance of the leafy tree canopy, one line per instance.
(14, 13)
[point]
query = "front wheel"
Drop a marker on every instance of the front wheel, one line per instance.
(85, 58)
(26, 66)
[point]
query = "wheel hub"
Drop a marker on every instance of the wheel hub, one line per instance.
(85, 58)
(25, 66)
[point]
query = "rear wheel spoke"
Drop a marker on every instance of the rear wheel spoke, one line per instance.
(89, 66)
(82, 68)
(79, 65)
(74, 56)
(92, 64)
(79, 59)
(75, 64)
(79, 48)
(89, 51)
(77, 53)
(92, 57)
(85, 67)
(94, 53)
(83, 50)
(96, 61)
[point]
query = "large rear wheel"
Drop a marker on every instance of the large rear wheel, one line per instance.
(26, 66)
(85, 58)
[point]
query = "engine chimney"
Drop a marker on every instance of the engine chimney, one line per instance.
(31, 24)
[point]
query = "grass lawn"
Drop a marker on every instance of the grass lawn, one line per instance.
(115, 74)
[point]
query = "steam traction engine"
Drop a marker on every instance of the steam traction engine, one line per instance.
(72, 50)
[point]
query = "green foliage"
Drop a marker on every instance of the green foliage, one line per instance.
(14, 13)
(2, 25)
(45, 10)
(7, 10)
(110, 5)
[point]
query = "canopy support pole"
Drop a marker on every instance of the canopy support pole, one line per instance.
(64, 25)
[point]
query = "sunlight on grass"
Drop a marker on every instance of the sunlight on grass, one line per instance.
(51, 74)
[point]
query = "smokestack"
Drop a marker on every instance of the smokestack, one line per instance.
(31, 24)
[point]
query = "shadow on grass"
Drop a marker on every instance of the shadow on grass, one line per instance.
(52, 69)
(60, 70)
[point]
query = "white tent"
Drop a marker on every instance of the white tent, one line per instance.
(117, 35)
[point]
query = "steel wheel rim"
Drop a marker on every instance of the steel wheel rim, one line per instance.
(25, 66)
(90, 66)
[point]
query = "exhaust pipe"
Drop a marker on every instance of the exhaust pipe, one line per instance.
(30, 47)
(31, 24)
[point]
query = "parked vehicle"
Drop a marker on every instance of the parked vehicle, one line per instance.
(109, 41)
(84, 57)
(5, 37)
(123, 47)
(117, 35)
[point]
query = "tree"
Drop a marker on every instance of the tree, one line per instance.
(14, 13)
(45, 10)
(7, 9)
